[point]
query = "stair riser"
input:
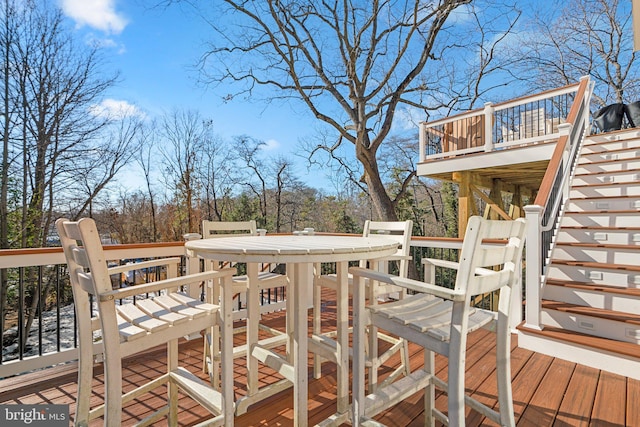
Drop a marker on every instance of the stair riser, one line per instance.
(613, 190)
(612, 237)
(618, 278)
(596, 299)
(591, 325)
(620, 177)
(602, 255)
(603, 204)
(611, 146)
(572, 219)
(632, 153)
(613, 166)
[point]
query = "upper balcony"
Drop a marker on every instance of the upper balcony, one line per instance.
(511, 141)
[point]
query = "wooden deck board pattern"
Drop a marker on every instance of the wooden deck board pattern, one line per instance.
(546, 391)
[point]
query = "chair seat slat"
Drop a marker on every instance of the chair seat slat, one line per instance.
(133, 314)
(192, 302)
(171, 304)
(128, 331)
(153, 309)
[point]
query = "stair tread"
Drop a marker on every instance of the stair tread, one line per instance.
(600, 265)
(622, 211)
(606, 172)
(614, 346)
(599, 245)
(626, 196)
(598, 227)
(602, 313)
(634, 292)
(606, 161)
(604, 184)
(607, 151)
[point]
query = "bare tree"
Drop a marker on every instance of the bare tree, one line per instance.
(256, 180)
(218, 176)
(284, 182)
(185, 134)
(117, 150)
(147, 143)
(50, 83)
(578, 38)
(352, 63)
(58, 81)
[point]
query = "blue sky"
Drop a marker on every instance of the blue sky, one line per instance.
(155, 51)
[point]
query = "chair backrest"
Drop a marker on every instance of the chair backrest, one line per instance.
(399, 231)
(228, 228)
(490, 245)
(85, 258)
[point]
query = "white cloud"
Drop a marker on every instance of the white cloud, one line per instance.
(98, 14)
(270, 145)
(115, 109)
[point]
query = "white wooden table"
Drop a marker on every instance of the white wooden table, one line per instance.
(299, 253)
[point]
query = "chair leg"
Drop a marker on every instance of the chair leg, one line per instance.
(372, 349)
(430, 392)
(456, 367)
(172, 389)
(503, 368)
(85, 377)
(112, 368)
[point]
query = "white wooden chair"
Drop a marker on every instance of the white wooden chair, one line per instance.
(266, 280)
(127, 328)
(439, 319)
(401, 232)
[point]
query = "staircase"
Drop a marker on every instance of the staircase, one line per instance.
(591, 301)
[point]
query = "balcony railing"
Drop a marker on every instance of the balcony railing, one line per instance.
(515, 123)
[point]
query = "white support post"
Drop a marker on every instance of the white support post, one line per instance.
(192, 265)
(422, 146)
(534, 267)
(488, 127)
(565, 130)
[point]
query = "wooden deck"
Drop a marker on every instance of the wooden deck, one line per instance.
(546, 391)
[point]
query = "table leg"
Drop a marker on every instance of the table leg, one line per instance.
(358, 351)
(342, 317)
(253, 319)
(300, 345)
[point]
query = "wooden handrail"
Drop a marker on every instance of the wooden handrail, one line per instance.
(556, 160)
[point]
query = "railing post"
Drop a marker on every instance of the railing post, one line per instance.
(422, 146)
(587, 103)
(564, 129)
(488, 127)
(192, 264)
(533, 260)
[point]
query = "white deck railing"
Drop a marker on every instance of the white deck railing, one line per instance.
(500, 126)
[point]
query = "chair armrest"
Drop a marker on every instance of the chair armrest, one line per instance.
(411, 284)
(143, 264)
(441, 263)
(167, 284)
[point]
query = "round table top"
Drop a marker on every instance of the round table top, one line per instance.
(292, 248)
